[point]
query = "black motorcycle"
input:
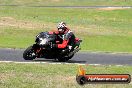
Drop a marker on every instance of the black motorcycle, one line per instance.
(43, 48)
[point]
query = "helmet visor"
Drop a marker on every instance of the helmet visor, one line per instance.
(60, 29)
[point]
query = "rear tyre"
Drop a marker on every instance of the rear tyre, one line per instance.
(65, 59)
(29, 53)
(71, 56)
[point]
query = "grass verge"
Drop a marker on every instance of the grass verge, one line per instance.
(68, 2)
(13, 75)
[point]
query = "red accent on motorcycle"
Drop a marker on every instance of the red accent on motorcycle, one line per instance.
(38, 50)
(51, 32)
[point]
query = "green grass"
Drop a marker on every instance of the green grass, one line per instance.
(54, 75)
(101, 30)
(117, 19)
(108, 43)
(68, 2)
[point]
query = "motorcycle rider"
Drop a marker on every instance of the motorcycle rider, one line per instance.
(65, 37)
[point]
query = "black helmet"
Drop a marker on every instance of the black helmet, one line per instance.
(62, 26)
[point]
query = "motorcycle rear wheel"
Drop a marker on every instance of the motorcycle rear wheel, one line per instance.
(64, 59)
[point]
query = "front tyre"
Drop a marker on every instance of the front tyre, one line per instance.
(29, 53)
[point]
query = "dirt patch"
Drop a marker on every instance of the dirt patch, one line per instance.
(112, 8)
(10, 21)
(5, 76)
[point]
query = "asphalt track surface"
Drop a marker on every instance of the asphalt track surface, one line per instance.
(80, 57)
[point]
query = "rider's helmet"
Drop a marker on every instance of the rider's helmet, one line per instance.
(61, 27)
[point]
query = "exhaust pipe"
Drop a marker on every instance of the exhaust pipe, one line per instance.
(75, 51)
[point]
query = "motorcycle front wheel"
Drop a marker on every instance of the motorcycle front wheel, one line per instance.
(29, 53)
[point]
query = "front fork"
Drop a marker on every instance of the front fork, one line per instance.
(38, 50)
